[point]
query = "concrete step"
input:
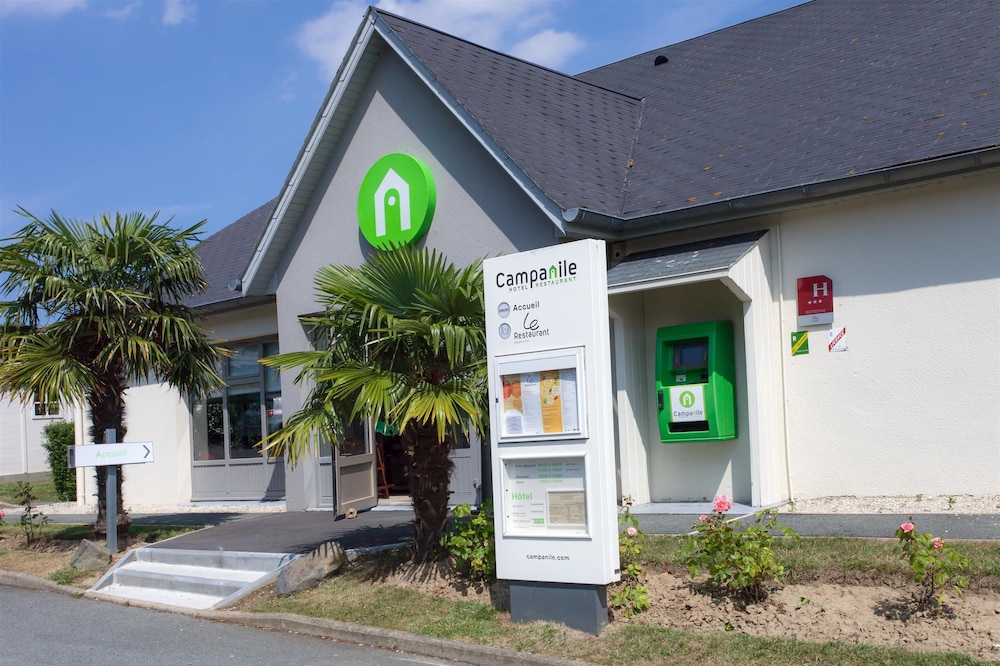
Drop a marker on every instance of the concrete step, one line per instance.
(190, 578)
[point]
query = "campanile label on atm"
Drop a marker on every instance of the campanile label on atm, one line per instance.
(815, 300)
(687, 403)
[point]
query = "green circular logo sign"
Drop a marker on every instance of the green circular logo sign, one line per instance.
(396, 201)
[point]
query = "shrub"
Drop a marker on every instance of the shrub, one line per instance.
(935, 565)
(59, 436)
(738, 562)
(32, 520)
(633, 597)
(470, 541)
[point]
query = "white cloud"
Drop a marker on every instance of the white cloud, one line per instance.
(51, 8)
(123, 12)
(176, 12)
(327, 38)
(548, 48)
(482, 22)
(496, 25)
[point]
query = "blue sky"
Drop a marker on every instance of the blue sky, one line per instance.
(196, 109)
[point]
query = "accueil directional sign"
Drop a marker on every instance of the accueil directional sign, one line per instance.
(98, 455)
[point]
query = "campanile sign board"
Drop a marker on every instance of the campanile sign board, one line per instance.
(552, 437)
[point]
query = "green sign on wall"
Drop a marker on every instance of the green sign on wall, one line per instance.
(396, 201)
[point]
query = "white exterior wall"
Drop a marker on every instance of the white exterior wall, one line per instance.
(21, 450)
(480, 212)
(913, 406)
(157, 413)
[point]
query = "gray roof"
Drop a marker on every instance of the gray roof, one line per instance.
(571, 138)
(821, 91)
(683, 260)
(224, 255)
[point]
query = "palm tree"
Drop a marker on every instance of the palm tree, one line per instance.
(95, 305)
(404, 343)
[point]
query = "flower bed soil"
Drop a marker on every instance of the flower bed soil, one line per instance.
(833, 605)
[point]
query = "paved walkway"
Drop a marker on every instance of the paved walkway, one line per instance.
(301, 531)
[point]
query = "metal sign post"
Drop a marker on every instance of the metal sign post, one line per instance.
(109, 455)
(111, 490)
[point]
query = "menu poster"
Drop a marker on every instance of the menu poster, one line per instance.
(540, 403)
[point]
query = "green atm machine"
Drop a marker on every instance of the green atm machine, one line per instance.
(695, 372)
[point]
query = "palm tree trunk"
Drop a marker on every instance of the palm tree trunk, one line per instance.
(107, 411)
(429, 472)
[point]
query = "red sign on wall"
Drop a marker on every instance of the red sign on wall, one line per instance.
(815, 297)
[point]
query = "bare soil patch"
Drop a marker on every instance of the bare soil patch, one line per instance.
(850, 607)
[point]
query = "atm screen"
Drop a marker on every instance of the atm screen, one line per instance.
(688, 355)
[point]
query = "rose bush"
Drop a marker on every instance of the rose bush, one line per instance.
(935, 566)
(633, 596)
(738, 562)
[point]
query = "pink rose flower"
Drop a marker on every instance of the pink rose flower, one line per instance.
(631, 531)
(938, 543)
(722, 504)
(702, 517)
(906, 527)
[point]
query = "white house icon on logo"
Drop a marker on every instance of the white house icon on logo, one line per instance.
(395, 201)
(393, 194)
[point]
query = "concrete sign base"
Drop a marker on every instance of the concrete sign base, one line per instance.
(580, 607)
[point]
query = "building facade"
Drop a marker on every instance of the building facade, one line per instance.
(853, 144)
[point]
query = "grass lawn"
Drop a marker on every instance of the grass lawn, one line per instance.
(45, 491)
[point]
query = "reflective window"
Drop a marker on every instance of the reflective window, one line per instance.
(230, 423)
(243, 362)
(355, 439)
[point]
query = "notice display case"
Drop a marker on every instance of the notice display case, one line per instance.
(542, 396)
(545, 497)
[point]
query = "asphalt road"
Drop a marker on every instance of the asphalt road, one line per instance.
(44, 628)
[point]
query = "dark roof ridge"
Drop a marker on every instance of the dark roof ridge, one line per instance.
(631, 159)
(424, 26)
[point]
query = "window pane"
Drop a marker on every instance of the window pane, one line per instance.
(245, 425)
(244, 362)
(274, 418)
(272, 380)
(355, 440)
(209, 431)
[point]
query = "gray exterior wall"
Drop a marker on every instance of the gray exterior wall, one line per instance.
(480, 212)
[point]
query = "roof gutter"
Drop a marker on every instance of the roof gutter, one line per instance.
(590, 223)
(233, 304)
